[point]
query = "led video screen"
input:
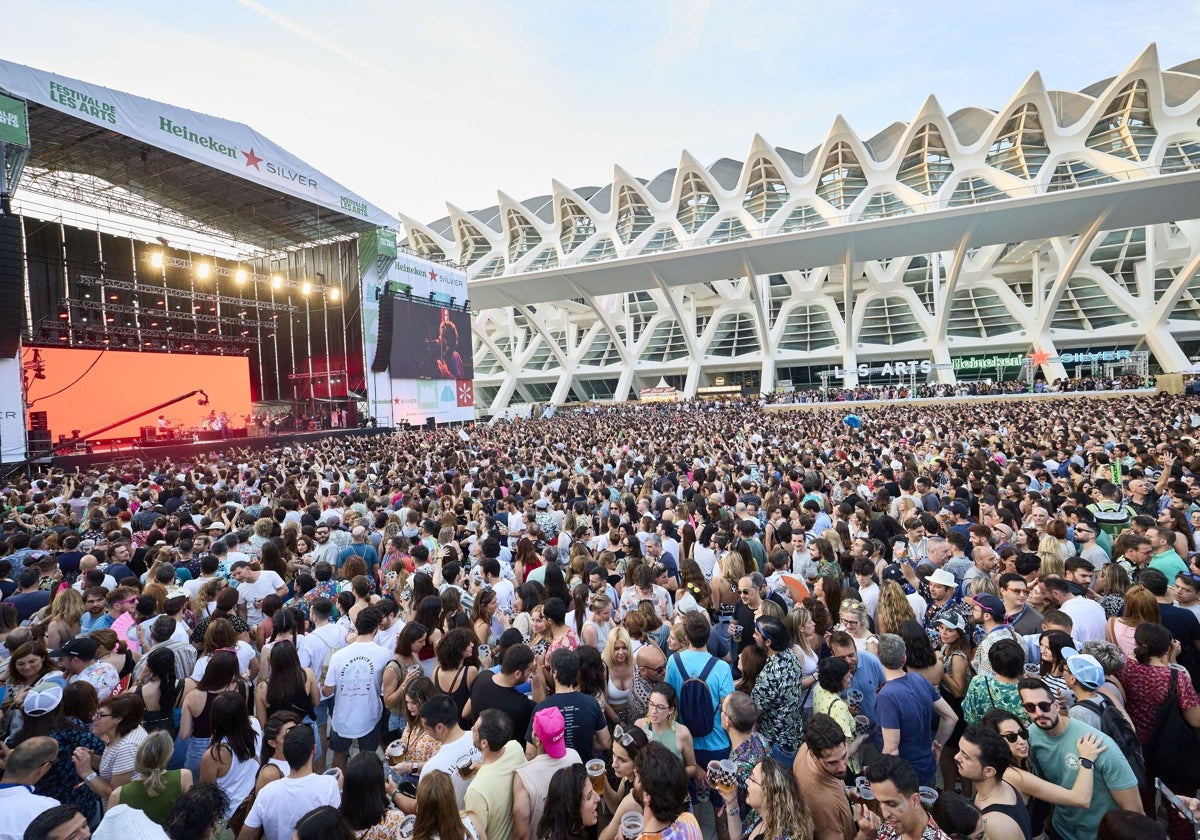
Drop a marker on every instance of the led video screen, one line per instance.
(89, 389)
(430, 342)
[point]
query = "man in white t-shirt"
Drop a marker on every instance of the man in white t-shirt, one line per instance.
(281, 804)
(252, 588)
(355, 679)
(439, 716)
(27, 763)
(322, 640)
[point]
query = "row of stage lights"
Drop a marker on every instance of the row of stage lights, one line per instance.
(393, 289)
(205, 270)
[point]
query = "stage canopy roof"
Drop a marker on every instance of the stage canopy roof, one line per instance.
(130, 155)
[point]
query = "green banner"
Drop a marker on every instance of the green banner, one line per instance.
(376, 243)
(14, 126)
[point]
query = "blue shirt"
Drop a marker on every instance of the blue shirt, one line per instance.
(906, 704)
(868, 676)
(720, 683)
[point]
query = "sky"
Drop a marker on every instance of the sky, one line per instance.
(414, 105)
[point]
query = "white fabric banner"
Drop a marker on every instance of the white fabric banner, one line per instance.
(221, 144)
(425, 277)
(447, 400)
(12, 412)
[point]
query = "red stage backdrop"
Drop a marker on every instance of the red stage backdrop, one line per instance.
(120, 384)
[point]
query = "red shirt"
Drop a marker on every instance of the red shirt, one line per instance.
(1146, 688)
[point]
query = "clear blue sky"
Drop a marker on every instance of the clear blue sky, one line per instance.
(414, 104)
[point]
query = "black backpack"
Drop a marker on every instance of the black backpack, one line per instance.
(1115, 726)
(696, 710)
(1174, 745)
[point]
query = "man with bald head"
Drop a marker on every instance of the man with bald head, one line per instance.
(360, 547)
(651, 671)
(90, 563)
(26, 765)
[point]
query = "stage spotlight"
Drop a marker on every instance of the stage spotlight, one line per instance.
(240, 276)
(276, 282)
(379, 292)
(163, 240)
(203, 270)
(431, 297)
(156, 259)
(466, 306)
(334, 294)
(305, 287)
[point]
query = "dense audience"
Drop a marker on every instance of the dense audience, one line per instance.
(706, 619)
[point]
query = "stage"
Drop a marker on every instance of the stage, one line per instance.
(113, 453)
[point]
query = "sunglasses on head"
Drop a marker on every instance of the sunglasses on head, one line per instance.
(1011, 737)
(622, 737)
(1044, 706)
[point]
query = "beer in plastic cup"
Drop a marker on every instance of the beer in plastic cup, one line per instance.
(631, 826)
(595, 771)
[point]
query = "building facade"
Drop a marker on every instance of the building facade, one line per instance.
(1061, 226)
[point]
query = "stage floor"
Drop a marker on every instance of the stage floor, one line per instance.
(105, 454)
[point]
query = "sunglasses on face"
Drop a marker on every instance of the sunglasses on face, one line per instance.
(744, 591)
(1012, 737)
(1042, 707)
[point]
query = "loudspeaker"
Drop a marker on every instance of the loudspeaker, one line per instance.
(12, 313)
(37, 420)
(431, 423)
(383, 341)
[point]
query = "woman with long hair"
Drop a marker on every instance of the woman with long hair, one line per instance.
(1054, 664)
(730, 569)
(778, 804)
(955, 650)
(484, 619)
(159, 689)
(437, 811)
(1111, 585)
(662, 724)
(1140, 607)
(618, 658)
(1051, 553)
(428, 615)
(418, 745)
(694, 586)
(8, 623)
(525, 560)
(893, 609)
(556, 585)
(572, 806)
(156, 789)
(921, 658)
(323, 823)
(1038, 793)
(627, 743)
(800, 627)
(404, 661)
(453, 615)
(66, 611)
(27, 666)
(222, 635)
(365, 806)
(751, 661)
(272, 765)
(195, 723)
(527, 596)
(291, 688)
(453, 675)
(1147, 678)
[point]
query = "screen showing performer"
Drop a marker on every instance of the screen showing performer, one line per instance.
(430, 342)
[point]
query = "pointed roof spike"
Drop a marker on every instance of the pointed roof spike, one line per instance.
(1033, 85)
(759, 146)
(1147, 60)
(689, 161)
(930, 108)
(840, 126)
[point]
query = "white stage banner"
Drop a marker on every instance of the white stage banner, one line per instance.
(221, 144)
(446, 400)
(425, 277)
(12, 412)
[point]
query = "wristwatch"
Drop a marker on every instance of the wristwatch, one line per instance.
(1087, 764)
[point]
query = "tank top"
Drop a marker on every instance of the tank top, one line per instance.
(157, 808)
(616, 695)
(202, 723)
(460, 689)
(1017, 811)
(300, 703)
(668, 739)
(238, 782)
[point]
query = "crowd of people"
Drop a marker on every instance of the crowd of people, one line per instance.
(966, 388)
(678, 621)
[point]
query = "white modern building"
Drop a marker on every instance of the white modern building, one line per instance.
(1061, 223)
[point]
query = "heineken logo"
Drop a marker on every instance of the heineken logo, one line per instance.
(75, 100)
(205, 141)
